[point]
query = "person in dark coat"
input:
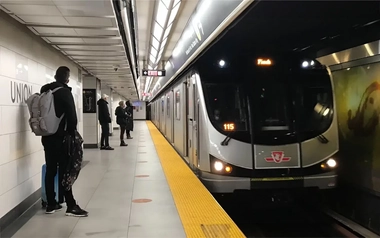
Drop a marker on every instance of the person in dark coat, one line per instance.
(129, 126)
(121, 120)
(104, 120)
(55, 152)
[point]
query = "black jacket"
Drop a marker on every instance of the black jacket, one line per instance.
(129, 111)
(103, 113)
(121, 116)
(63, 103)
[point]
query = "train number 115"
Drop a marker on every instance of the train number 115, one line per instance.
(229, 126)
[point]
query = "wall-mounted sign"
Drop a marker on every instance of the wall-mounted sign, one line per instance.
(155, 73)
(89, 100)
(20, 92)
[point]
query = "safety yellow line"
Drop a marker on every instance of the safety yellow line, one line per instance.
(200, 213)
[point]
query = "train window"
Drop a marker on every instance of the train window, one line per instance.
(271, 106)
(315, 103)
(227, 104)
(177, 105)
(168, 106)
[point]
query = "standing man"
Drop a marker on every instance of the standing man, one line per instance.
(129, 112)
(121, 119)
(55, 153)
(104, 120)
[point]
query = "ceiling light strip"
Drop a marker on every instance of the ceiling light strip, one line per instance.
(167, 9)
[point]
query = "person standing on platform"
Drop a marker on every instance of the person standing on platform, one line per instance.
(55, 152)
(104, 120)
(121, 120)
(129, 112)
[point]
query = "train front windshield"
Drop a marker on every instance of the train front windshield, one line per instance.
(285, 105)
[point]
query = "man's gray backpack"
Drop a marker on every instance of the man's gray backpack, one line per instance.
(43, 120)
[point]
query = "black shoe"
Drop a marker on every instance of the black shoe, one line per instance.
(123, 144)
(129, 138)
(102, 147)
(108, 148)
(76, 211)
(52, 209)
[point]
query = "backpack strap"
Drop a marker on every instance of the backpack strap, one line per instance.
(56, 89)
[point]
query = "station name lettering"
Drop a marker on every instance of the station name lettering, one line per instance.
(20, 92)
(191, 47)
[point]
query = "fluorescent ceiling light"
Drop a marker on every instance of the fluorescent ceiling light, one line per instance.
(157, 31)
(173, 13)
(167, 3)
(156, 67)
(158, 58)
(152, 59)
(150, 67)
(167, 31)
(175, 2)
(153, 51)
(155, 42)
(164, 43)
(162, 13)
(162, 50)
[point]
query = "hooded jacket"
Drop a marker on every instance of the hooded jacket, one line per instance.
(63, 103)
(103, 112)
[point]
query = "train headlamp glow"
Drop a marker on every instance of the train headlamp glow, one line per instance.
(331, 163)
(221, 167)
(222, 63)
(218, 166)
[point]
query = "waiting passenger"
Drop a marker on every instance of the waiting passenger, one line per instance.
(129, 127)
(53, 144)
(104, 120)
(121, 120)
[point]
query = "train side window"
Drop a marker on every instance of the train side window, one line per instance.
(177, 105)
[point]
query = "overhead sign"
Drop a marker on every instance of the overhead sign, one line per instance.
(155, 73)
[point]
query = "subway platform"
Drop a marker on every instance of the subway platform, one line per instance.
(143, 190)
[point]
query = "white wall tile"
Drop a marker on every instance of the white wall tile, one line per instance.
(26, 63)
(7, 63)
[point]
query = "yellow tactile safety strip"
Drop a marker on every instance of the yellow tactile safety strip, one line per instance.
(200, 213)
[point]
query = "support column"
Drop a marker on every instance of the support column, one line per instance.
(91, 128)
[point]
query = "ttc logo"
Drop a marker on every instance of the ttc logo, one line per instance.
(277, 157)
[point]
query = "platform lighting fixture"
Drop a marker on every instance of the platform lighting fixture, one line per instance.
(166, 12)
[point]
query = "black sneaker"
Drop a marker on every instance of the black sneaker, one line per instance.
(52, 209)
(123, 144)
(76, 211)
(108, 148)
(102, 147)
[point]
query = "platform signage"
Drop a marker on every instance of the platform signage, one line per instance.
(154, 73)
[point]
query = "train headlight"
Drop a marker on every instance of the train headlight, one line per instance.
(218, 166)
(331, 163)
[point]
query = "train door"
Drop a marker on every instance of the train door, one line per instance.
(162, 114)
(168, 123)
(172, 100)
(191, 120)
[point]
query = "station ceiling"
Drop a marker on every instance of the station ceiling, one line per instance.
(87, 31)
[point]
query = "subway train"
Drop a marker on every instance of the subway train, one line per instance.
(253, 122)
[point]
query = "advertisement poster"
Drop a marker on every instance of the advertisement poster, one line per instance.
(89, 100)
(357, 95)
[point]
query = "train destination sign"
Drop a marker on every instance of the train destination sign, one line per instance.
(155, 73)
